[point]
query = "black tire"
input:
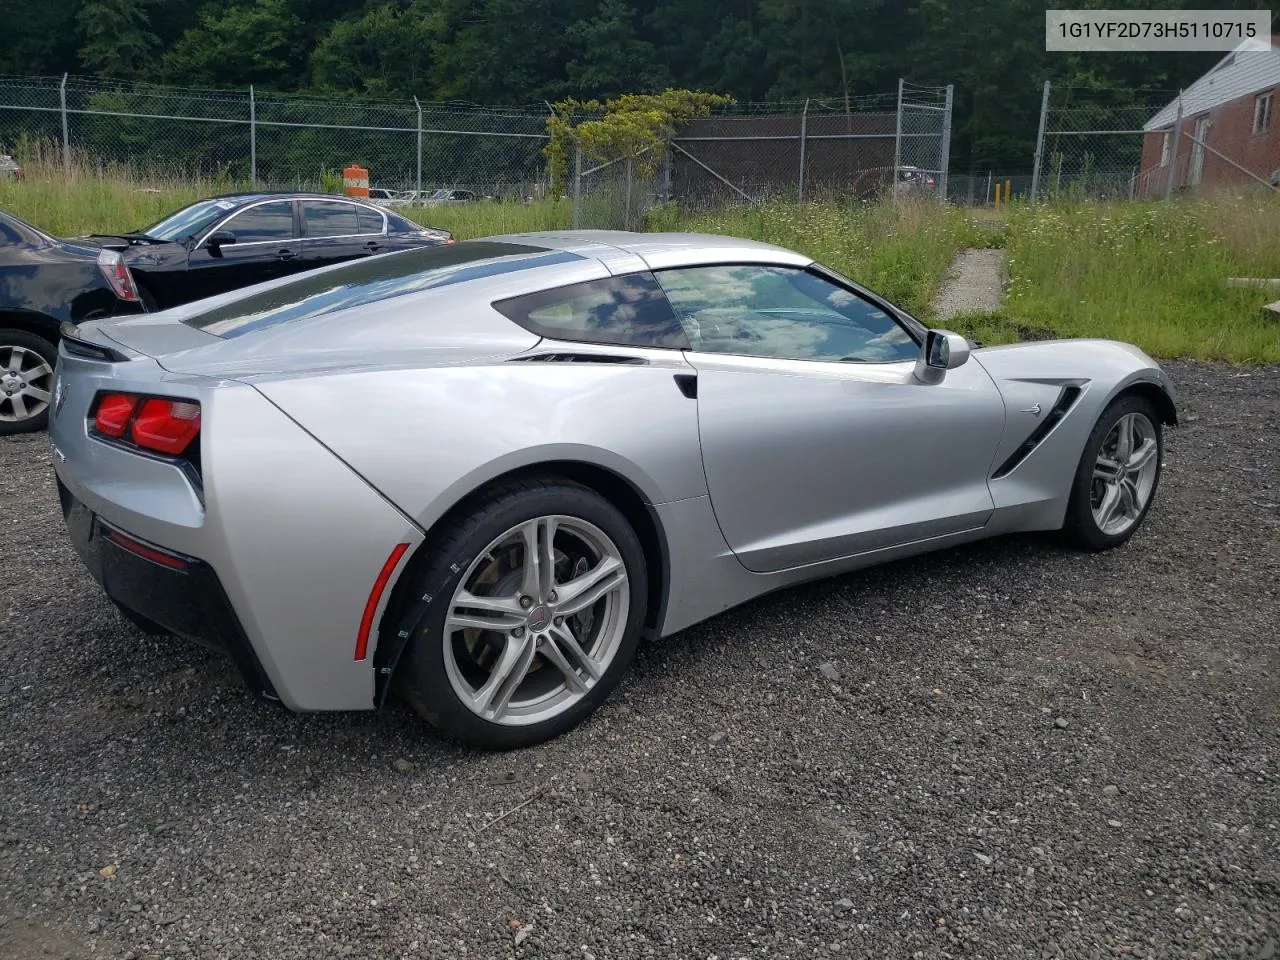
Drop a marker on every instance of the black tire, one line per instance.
(1080, 529)
(49, 353)
(421, 678)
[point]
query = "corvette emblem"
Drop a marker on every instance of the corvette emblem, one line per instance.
(1034, 411)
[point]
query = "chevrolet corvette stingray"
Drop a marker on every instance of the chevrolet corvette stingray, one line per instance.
(478, 474)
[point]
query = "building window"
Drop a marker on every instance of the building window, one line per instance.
(1262, 113)
(1164, 149)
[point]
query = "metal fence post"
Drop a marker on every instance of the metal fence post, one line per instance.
(66, 129)
(577, 184)
(253, 138)
(626, 210)
(419, 181)
(804, 124)
(1173, 154)
(897, 148)
(1044, 116)
(946, 145)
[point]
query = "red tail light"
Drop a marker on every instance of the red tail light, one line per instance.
(117, 274)
(153, 423)
(115, 410)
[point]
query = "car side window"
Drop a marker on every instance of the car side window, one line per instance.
(630, 310)
(263, 223)
(370, 220)
(326, 218)
(786, 313)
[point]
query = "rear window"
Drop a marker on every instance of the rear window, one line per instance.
(630, 310)
(363, 282)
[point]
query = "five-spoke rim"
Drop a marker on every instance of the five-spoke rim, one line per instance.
(26, 380)
(536, 620)
(1124, 474)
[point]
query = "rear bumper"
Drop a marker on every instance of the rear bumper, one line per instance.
(182, 594)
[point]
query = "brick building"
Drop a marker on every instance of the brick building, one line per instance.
(1234, 109)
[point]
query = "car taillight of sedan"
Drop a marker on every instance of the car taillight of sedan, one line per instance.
(117, 274)
(164, 425)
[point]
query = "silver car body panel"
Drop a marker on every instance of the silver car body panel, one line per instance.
(328, 441)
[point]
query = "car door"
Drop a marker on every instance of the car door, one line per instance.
(817, 441)
(336, 230)
(266, 246)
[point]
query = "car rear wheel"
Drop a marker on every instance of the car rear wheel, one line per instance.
(537, 599)
(26, 381)
(1116, 480)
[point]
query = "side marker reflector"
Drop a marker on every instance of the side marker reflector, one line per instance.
(375, 595)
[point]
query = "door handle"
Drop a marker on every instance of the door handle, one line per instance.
(286, 255)
(372, 246)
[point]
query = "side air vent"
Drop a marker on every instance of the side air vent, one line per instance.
(1066, 398)
(577, 358)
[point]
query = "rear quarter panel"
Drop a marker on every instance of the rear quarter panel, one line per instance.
(428, 437)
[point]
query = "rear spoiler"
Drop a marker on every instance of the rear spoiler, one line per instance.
(85, 349)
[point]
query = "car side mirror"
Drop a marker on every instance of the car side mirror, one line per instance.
(219, 238)
(942, 351)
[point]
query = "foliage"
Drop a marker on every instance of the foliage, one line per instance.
(902, 253)
(527, 51)
(1153, 274)
(633, 125)
(117, 36)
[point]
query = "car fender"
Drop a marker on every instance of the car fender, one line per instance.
(1031, 487)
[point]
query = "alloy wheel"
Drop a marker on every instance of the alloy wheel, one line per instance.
(26, 382)
(1124, 474)
(536, 620)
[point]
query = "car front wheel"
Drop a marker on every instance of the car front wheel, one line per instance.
(1116, 480)
(26, 381)
(537, 596)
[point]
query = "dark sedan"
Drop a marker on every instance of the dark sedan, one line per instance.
(225, 243)
(44, 283)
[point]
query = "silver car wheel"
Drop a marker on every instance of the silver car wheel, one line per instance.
(536, 621)
(26, 380)
(1124, 474)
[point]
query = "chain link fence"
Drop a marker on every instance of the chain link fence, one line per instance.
(865, 146)
(1144, 144)
(278, 141)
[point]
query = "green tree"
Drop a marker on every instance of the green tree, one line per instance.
(259, 41)
(116, 37)
(611, 59)
(383, 52)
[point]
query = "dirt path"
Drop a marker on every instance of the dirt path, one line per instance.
(972, 284)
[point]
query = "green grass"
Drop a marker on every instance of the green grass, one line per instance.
(1150, 274)
(902, 254)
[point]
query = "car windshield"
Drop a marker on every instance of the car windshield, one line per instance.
(189, 221)
(441, 195)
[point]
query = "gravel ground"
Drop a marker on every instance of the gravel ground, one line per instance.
(1006, 750)
(973, 284)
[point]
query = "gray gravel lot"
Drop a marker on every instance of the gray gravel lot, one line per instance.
(1024, 752)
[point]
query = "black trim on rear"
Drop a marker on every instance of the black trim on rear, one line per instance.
(84, 349)
(189, 603)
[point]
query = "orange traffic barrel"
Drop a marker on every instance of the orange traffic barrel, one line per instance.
(355, 181)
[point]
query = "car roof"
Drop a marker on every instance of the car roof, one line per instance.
(623, 250)
(244, 197)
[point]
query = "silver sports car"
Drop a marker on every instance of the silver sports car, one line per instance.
(478, 474)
